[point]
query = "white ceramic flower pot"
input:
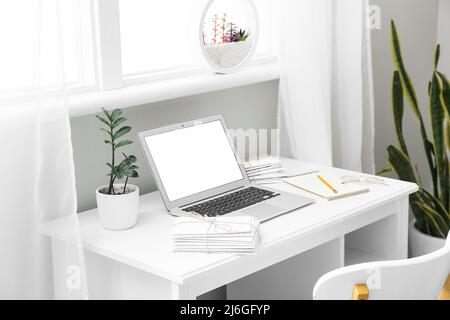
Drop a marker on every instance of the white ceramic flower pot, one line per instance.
(120, 211)
(421, 243)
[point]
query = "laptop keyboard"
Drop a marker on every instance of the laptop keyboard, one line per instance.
(232, 202)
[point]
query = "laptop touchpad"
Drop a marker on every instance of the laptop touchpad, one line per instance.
(262, 211)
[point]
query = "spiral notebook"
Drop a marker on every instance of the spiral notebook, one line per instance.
(311, 182)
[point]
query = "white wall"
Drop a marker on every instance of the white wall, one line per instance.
(444, 35)
(416, 21)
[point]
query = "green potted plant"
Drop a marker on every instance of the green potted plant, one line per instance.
(118, 203)
(430, 206)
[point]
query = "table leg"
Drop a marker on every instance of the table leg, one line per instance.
(69, 278)
(182, 292)
(402, 218)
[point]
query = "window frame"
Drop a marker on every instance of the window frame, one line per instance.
(107, 59)
(87, 86)
(110, 52)
(71, 88)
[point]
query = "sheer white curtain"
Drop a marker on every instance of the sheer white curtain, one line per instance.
(326, 95)
(38, 181)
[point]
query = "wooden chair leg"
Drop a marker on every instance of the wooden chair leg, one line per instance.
(360, 292)
(445, 293)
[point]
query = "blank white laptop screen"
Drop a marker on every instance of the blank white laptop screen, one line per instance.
(194, 159)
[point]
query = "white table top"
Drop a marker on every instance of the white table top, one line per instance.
(148, 245)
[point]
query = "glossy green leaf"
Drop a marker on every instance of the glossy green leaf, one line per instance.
(447, 134)
(437, 124)
(445, 92)
(430, 157)
(127, 162)
(427, 197)
(120, 174)
(437, 55)
(103, 120)
(107, 114)
(123, 165)
(401, 165)
(121, 132)
(445, 101)
(428, 229)
(421, 218)
(116, 114)
(422, 225)
(131, 173)
(384, 172)
(399, 64)
(118, 122)
(131, 157)
(438, 225)
(398, 108)
(123, 143)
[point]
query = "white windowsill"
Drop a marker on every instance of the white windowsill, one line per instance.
(84, 104)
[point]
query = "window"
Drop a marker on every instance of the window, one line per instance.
(107, 44)
(20, 29)
(265, 13)
(161, 36)
(154, 35)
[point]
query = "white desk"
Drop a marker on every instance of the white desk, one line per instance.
(296, 248)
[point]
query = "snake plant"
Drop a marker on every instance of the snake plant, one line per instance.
(430, 207)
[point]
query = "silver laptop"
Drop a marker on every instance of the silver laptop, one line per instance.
(197, 170)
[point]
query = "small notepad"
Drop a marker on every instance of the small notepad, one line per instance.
(311, 183)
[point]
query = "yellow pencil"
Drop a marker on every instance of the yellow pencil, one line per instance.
(327, 184)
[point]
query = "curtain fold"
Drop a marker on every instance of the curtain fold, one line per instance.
(38, 180)
(326, 93)
(305, 81)
(368, 141)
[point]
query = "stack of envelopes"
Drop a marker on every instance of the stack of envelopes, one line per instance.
(236, 235)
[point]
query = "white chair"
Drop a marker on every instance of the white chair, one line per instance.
(422, 278)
